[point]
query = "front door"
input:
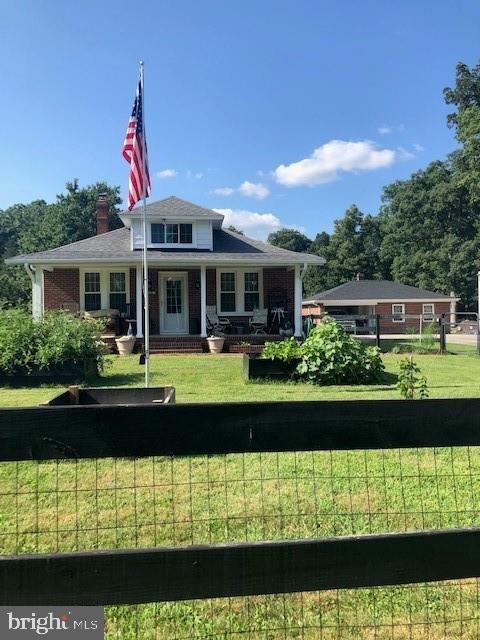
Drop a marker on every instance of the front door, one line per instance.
(173, 303)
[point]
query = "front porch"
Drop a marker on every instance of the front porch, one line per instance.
(179, 299)
(196, 344)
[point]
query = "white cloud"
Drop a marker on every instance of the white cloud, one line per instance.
(223, 191)
(249, 189)
(418, 147)
(327, 161)
(166, 173)
(255, 225)
(403, 154)
(387, 128)
(195, 174)
(254, 190)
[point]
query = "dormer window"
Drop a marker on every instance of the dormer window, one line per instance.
(171, 233)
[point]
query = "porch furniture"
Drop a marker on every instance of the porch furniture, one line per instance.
(112, 316)
(239, 329)
(258, 322)
(278, 316)
(216, 323)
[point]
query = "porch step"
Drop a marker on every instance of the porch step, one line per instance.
(160, 351)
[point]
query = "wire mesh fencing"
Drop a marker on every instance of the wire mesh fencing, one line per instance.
(415, 332)
(69, 505)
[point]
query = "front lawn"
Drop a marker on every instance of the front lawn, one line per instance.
(91, 504)
(209, 378)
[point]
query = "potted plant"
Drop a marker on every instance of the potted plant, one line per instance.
(125, 345)
(215, 343)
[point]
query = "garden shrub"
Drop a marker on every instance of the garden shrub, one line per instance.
(57, 340)
(411, 383)
(330, 356)
(286, 350)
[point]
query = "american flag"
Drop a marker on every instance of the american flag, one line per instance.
(132, 151)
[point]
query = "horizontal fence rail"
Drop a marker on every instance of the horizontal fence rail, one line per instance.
(47, 433)
(151, 575)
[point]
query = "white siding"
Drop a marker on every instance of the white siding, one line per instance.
(204, 234)
(137, 234)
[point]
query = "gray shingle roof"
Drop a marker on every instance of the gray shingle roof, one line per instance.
(173, 206)
(114, 246)
(374, 290)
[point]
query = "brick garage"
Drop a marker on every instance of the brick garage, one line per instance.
(411, 308)
(360, 300)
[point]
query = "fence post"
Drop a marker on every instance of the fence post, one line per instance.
(443, 336)
(377, 330)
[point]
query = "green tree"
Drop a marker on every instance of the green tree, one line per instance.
(27, 228)
(235, 230)
(290, 239)
(465, 96)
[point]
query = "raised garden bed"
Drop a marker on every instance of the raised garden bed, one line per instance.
(113, 395)
(256, 367)
(69, 374)
(245, 348)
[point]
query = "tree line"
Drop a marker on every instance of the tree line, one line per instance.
(38, 226)
(427, 231)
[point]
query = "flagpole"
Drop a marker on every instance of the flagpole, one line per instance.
(146, 324)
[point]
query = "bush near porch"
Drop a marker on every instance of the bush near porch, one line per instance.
(60, 340)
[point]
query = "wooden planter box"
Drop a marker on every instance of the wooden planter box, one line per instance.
(68, 374)
(245, 348)
(256, 367)
(113, 396)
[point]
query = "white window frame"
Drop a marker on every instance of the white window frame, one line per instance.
(240, 290)
(428, 316)
(396, 313)
(172, 245)
(104, 284)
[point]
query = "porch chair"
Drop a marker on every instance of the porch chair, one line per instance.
(214, 323)
(258, 322)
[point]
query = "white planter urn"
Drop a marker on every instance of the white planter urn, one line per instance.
(215, 344)
(125, 345)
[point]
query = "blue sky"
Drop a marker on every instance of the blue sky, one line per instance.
(289, 110)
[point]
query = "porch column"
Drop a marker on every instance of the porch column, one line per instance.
(139, 299)
(298, 302)
(37, 293)
(203, 301)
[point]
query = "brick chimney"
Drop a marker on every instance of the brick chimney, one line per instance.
(102, 213)
(360, 276)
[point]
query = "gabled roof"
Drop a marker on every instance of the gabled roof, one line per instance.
(172, 207)
(372, 291)
(115, 247)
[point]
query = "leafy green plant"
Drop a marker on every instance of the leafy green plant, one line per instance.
(286, 350)
(331, 356)
(411, 383)
(59, 339)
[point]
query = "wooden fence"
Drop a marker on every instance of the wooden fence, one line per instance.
(177, 573)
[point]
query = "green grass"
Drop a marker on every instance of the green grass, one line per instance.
(207, 378)
(79, 505)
